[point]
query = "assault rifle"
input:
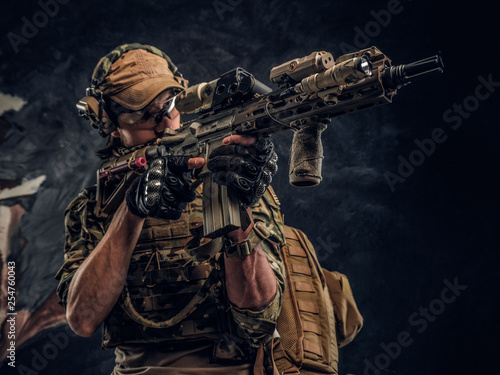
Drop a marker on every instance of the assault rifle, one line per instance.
(312, 90)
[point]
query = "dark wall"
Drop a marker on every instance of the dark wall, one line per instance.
(403, 242)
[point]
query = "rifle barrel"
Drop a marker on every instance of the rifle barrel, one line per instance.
(397, 76)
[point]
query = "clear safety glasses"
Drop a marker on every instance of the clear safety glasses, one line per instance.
(137, 117)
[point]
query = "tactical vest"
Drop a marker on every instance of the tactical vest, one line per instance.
(171, 264)
(318, 315)
(162, 279)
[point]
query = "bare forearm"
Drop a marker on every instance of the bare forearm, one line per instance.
(250, 281)
(98, 282)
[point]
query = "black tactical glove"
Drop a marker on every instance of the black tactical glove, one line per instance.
(247, 169)
(161, 191)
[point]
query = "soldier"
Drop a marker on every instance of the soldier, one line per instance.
(170, 301)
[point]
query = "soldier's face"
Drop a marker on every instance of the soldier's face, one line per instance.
(141, 127)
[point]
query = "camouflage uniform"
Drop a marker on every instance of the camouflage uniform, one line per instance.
(170, 265)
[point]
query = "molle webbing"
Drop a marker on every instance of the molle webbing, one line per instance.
(307, 323)
(165, 285)
(200, 297)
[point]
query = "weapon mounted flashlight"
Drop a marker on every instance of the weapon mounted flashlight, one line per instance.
(337, 74)
(365, 66)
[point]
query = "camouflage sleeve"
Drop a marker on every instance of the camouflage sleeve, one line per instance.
(269, 232)
(83, 232)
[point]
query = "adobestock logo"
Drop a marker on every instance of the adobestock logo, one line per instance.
(222, 7)
(419, 319)
(454, 116)
(30, 28)
(380, 19)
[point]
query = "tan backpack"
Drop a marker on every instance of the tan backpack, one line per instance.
(318, 315)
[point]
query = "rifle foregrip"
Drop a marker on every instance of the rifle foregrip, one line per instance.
(306, 155)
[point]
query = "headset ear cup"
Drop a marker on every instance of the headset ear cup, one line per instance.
(90, 108)
(107, 125)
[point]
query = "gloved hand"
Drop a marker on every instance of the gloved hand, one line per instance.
(161, 191)
(248, 169)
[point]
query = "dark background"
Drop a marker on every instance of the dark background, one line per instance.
(397, 247)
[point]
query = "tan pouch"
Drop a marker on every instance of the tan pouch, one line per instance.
(348, 318)
(310, 327)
